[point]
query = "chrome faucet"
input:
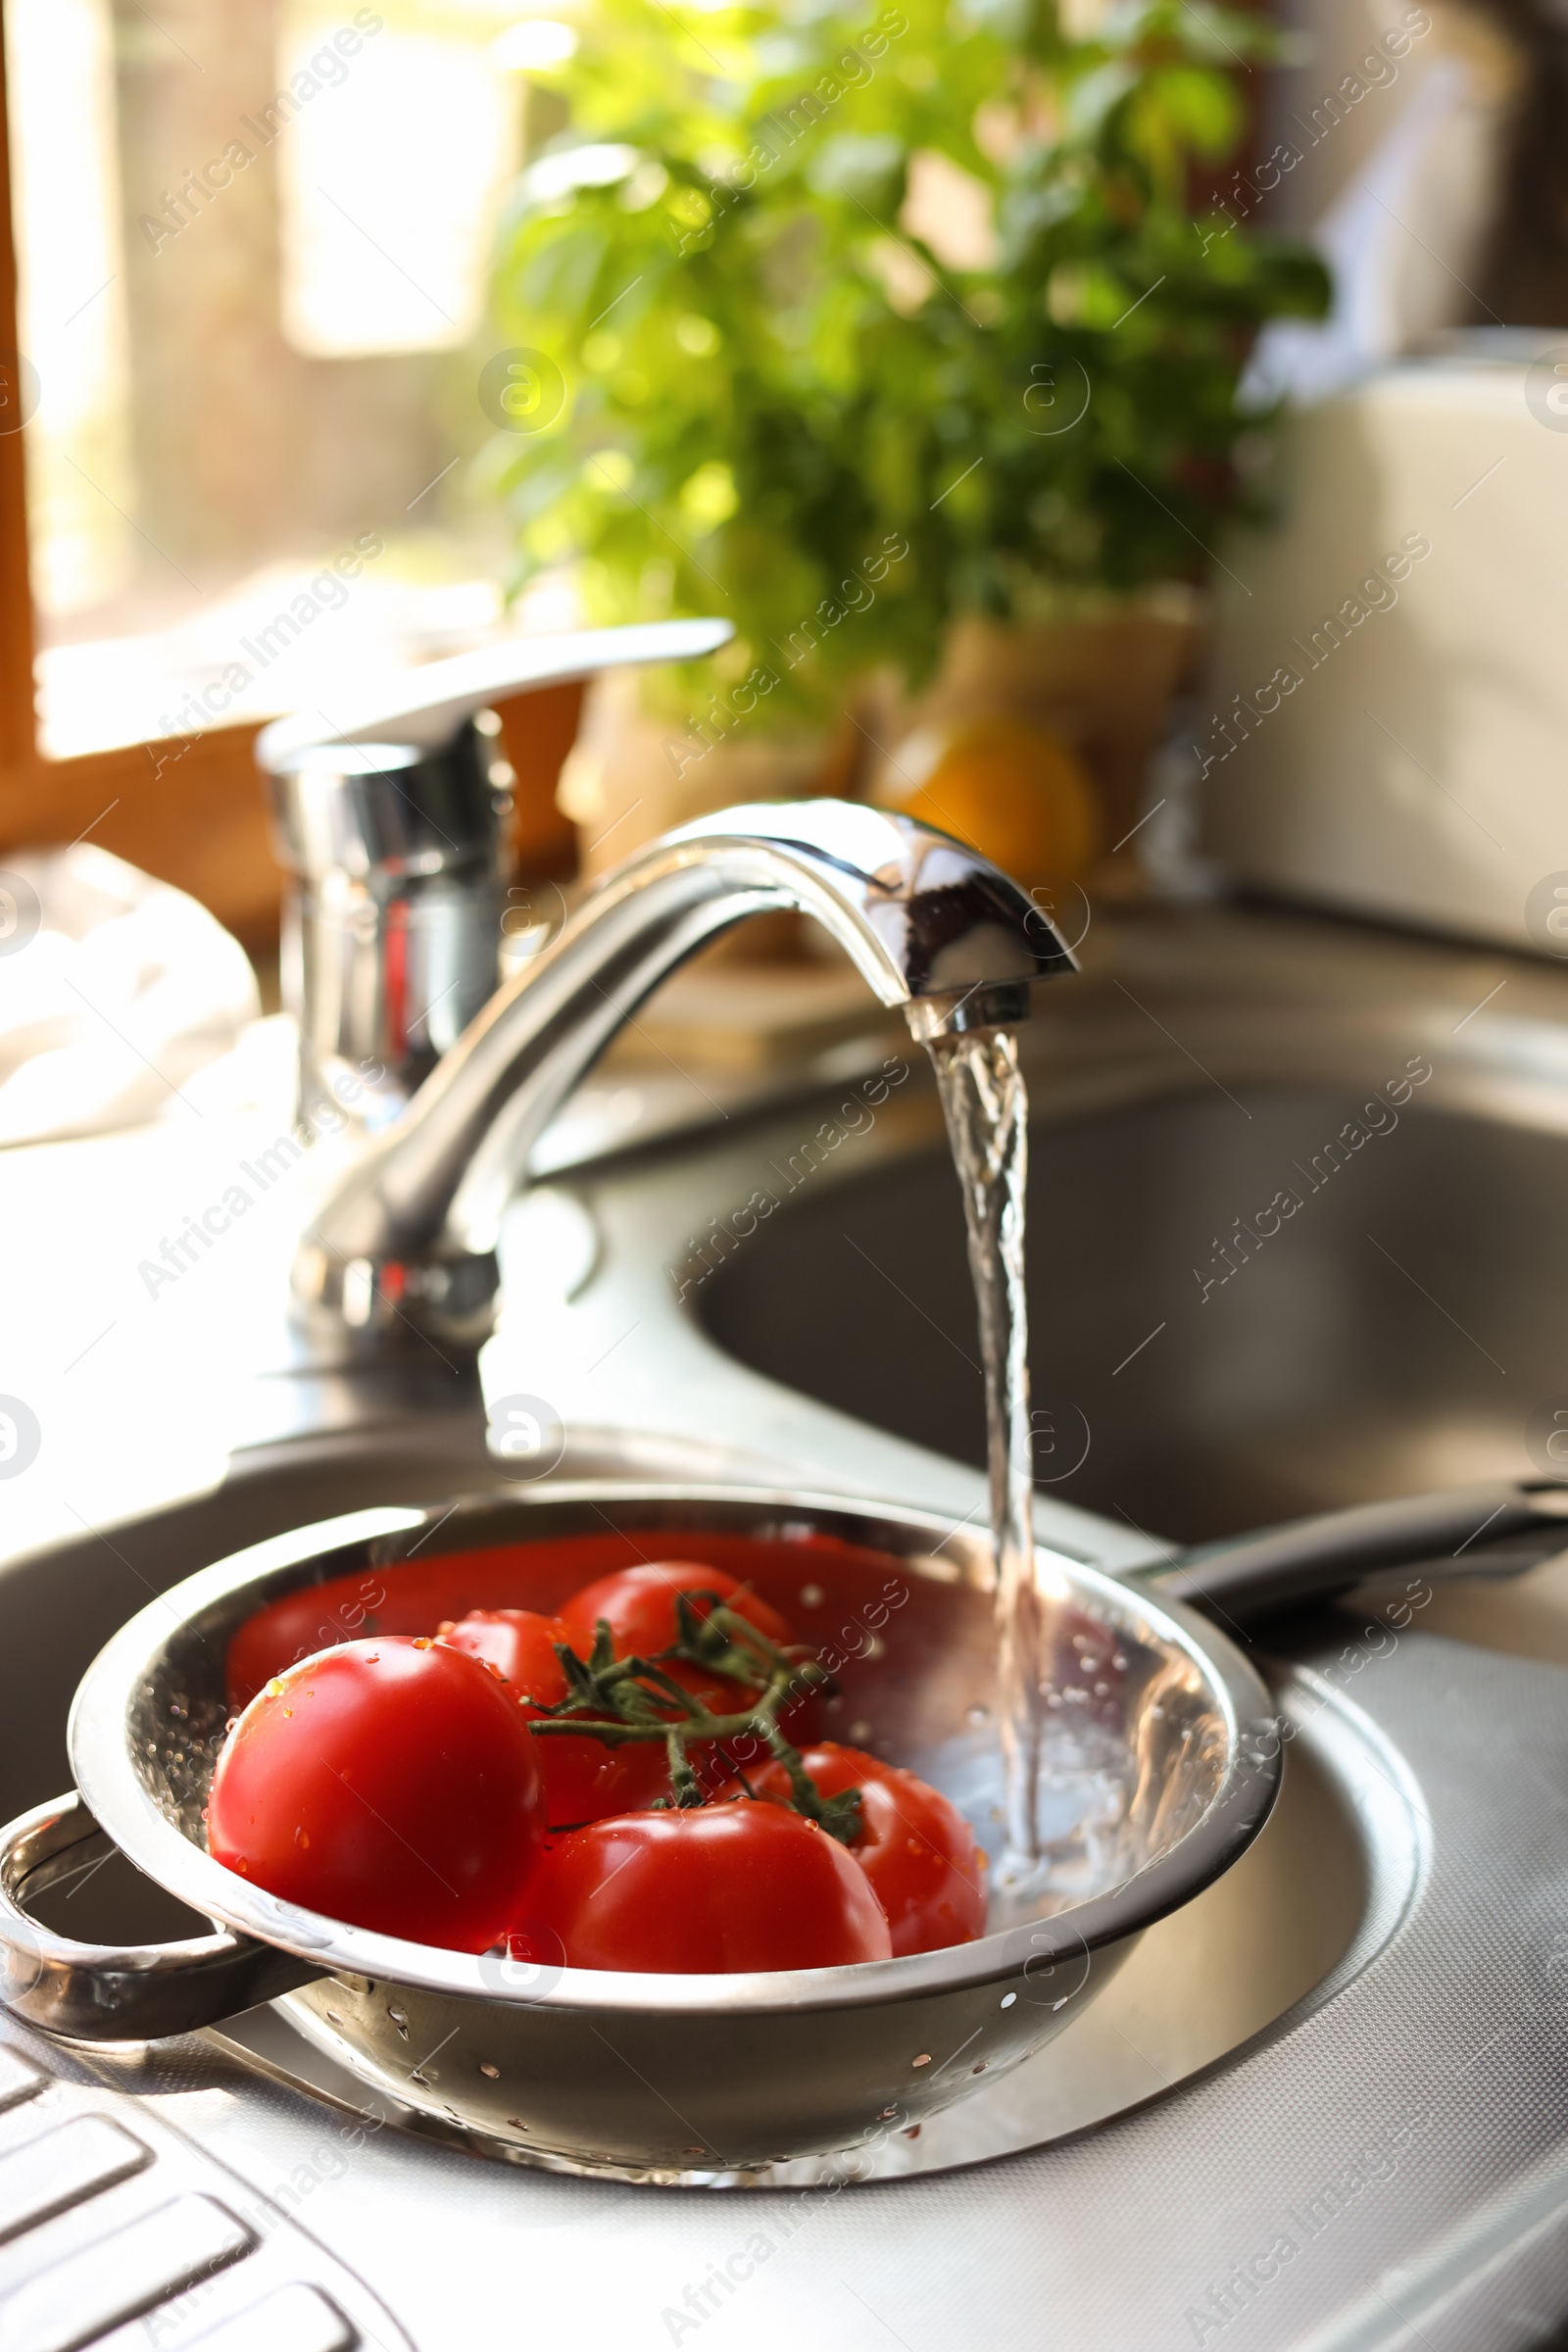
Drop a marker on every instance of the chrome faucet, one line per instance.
(392, 827)
(408, 1239)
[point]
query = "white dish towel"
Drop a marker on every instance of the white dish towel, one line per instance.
(113, 990)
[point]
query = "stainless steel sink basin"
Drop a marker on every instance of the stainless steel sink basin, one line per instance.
(1295, 1235)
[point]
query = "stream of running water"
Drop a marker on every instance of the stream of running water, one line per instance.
(986, 1105)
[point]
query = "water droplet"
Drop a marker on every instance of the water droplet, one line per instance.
(1008, 1999)
(424, 1642)
(274, 1689)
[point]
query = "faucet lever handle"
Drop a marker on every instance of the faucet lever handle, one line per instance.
(427, 706)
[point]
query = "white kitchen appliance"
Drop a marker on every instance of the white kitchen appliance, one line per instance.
(1387, 732)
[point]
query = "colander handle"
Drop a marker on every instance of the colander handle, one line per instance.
(1495, 1530)
(94, 1993)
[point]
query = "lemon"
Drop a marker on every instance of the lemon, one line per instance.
(1009, 789)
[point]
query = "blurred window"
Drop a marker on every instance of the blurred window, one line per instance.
(253, 240)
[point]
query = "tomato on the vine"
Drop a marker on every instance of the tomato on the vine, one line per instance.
(583, 1779)
(391, 1783)
(706, 1892)
(638, 1605)
(914, 1844)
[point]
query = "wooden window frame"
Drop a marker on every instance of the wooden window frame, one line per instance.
(191, 811)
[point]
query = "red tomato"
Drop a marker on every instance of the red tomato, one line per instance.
(583, 1779)
(704, 1892)
(639, 1605)
(393, 1784)
(915, 1847)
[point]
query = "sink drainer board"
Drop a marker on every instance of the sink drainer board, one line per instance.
(1312, 1902)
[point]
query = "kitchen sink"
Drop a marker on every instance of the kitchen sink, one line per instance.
(1356, 2038)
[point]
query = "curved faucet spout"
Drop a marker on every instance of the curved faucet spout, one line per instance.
(410, 1234)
